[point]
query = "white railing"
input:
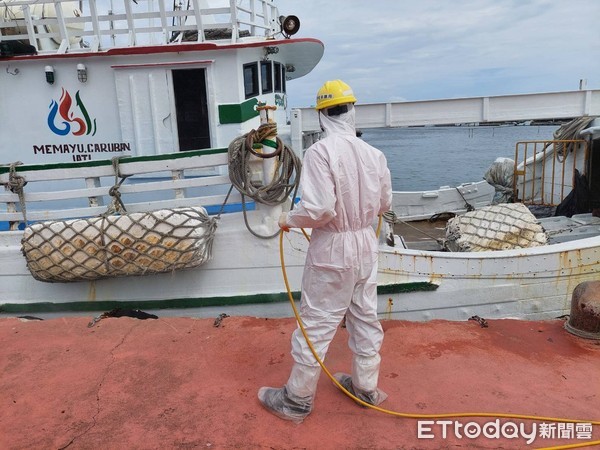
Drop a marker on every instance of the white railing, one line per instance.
(60, 26)
(55, 192)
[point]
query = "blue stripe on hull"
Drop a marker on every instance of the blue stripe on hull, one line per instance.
(211, 209)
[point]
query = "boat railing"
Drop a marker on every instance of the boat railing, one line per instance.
(544, 171)
(75, 190)
(59, 26)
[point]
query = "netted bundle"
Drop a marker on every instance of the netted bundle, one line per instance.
(501, 175)
(496, 227)
(120, 245)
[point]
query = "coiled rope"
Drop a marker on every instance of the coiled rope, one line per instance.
(286, 174)
(414, 415)
(570, 130)
(567, 132)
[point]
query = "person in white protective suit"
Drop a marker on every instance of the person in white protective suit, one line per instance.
(346, 184)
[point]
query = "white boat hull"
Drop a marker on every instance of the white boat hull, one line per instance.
(245, 278)
(535, 283)
(243, 267)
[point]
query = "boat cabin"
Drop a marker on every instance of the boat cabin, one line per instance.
(85, 81)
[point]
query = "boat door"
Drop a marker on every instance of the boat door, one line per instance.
(191, 108)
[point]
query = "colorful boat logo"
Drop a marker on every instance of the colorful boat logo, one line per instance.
(68, 122)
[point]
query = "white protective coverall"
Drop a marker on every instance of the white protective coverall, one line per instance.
(346, 184)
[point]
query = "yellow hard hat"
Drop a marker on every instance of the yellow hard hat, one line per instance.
(334, 93)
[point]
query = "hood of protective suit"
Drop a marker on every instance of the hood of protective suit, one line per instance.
(342, 124)
(345, 181)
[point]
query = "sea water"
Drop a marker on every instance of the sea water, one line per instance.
(426, 158)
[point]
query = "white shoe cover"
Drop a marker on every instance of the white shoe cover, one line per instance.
(277, 401)
(374, 398)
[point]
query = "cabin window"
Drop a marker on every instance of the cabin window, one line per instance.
(278, 85)
(266, 76)
(279, 74)
(251, 80)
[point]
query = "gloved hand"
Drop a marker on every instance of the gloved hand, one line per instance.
(283, 222)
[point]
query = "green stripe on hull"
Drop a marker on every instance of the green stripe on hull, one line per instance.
(406, 288)
(181, 303)
(108, 162)
(175, 303)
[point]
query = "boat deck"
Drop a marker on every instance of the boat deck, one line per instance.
(423, 234)
(184, 383)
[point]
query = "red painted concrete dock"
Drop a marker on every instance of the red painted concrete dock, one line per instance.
(183, 383)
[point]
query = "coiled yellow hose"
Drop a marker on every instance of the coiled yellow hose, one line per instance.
(413, 415)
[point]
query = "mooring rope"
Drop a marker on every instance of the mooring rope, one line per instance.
(286, 174)
(567, 132)
(116, 206)
(15, 184)
(468, 206)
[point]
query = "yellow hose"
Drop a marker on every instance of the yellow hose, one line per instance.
(413, 415)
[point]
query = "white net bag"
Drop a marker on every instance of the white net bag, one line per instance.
(119, 245)
(496, 227)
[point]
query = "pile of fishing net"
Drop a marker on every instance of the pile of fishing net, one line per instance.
(496, 227)
(119, 245)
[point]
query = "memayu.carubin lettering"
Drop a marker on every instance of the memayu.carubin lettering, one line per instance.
(52, 149)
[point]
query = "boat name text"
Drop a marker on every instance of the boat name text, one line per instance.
(81, 152)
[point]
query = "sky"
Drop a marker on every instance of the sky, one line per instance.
(396, 50)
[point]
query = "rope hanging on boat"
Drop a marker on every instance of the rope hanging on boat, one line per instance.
(286, 175)
(15, 184)
(468, 206)
(116, 206)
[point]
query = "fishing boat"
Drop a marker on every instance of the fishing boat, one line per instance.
(132, 110)
(523, 281)
(152, 159)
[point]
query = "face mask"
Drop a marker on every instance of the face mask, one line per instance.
(342, 124)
